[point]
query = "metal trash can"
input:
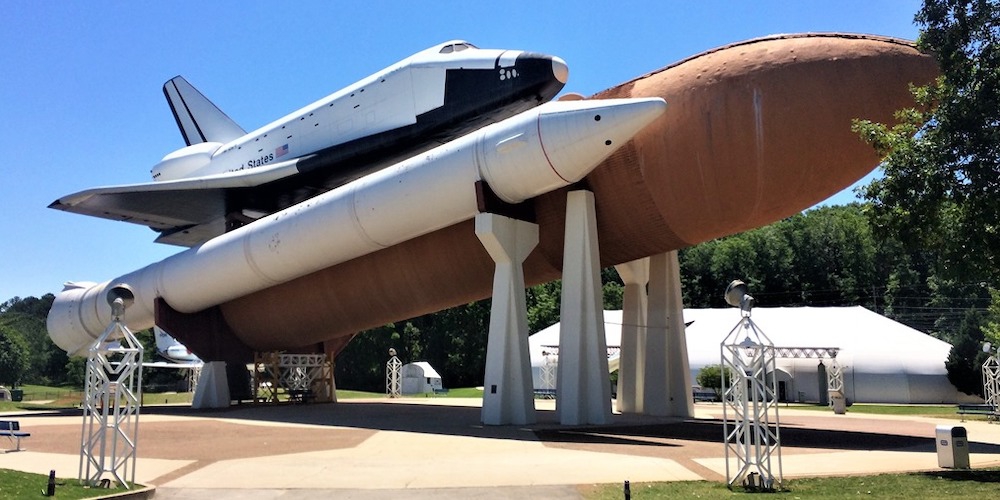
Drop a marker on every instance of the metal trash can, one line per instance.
(16, 394)
(838, 403)
(952, 447)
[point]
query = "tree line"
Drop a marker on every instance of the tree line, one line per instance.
(828, 256)
(28, 355)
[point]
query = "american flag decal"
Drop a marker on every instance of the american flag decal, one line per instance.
(282, 151)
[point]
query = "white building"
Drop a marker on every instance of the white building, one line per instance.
(420, 378)
(882, 361)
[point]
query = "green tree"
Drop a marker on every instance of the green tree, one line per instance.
(27, 317)
(940, 195)
(710, 377)
(361, 365)
(991, 328)
(965, 361)
(824, 257)
(940, 190)
(13, 357)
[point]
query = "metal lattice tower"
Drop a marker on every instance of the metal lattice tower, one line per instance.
(111, 401)
(293, 372)
(750, 409)
(835, 377)
(991, 384)
(549, 371)
(393, 376)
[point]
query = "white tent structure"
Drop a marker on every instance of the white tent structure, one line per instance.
(420, 378)
(882, 361)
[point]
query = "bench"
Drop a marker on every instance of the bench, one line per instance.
(440, 392)
(301, 396)
(12, 430)
(545, 393)
(972, 409)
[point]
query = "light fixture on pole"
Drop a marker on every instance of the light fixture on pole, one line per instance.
(393, 375)
(749, 410)
(737, 296)
(111, 400)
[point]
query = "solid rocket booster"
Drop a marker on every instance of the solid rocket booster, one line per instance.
(538, 151)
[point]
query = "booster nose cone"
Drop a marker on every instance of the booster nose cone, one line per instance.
(598, 129)
(560, 70)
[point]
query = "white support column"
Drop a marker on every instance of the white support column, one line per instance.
(667, 389)
(632, 359)
(508, 395)
(213, 387)
(584, 389)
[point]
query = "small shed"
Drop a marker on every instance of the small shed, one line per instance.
(420, 378)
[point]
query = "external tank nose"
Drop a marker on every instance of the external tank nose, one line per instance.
(560, 70)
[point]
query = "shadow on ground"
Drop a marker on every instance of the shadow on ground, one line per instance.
(624, 430)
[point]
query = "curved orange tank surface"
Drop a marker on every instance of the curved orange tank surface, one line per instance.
(754, 132)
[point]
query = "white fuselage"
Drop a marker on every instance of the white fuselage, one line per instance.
(384, 101)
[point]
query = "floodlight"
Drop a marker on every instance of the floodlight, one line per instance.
(987, 346)
(392, 351)
(737, 296)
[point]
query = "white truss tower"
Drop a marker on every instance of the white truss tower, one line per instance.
(549, 369)
(394, 377)
(750, 408)
(991, 384)
(301, 373)
(835, 377)
(111, 402)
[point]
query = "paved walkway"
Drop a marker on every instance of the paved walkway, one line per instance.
(436, 448)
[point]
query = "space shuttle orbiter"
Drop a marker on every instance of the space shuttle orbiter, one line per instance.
(225, 177)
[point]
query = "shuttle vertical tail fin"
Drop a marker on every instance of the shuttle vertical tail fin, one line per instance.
(163, 340)
(198, 119)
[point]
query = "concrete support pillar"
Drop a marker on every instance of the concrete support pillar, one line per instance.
(508, 395)
(213, 387)
(667, 385)
(632, 358)
(583, 394)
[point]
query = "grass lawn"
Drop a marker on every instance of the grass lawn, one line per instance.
(18, 485)
(464, 392)
(947, 411)
(349, 394)
(38, 397)
(981, 483)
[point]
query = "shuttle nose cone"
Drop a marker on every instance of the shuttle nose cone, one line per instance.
(560, 70)
(574, 140)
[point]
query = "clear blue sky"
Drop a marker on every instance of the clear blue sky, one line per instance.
(81, 105)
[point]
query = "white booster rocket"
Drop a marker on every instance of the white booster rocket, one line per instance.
(540, 150)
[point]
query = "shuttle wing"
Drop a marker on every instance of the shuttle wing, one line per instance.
(186, 211)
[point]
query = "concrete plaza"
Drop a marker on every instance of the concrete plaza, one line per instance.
(437, 448)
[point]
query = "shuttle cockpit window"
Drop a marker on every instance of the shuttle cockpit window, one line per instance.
(456, 47)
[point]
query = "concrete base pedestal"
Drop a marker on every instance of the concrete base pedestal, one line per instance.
(213, 387)
(583, 394)
(632, 358)
(508, 396)
(667, 386)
